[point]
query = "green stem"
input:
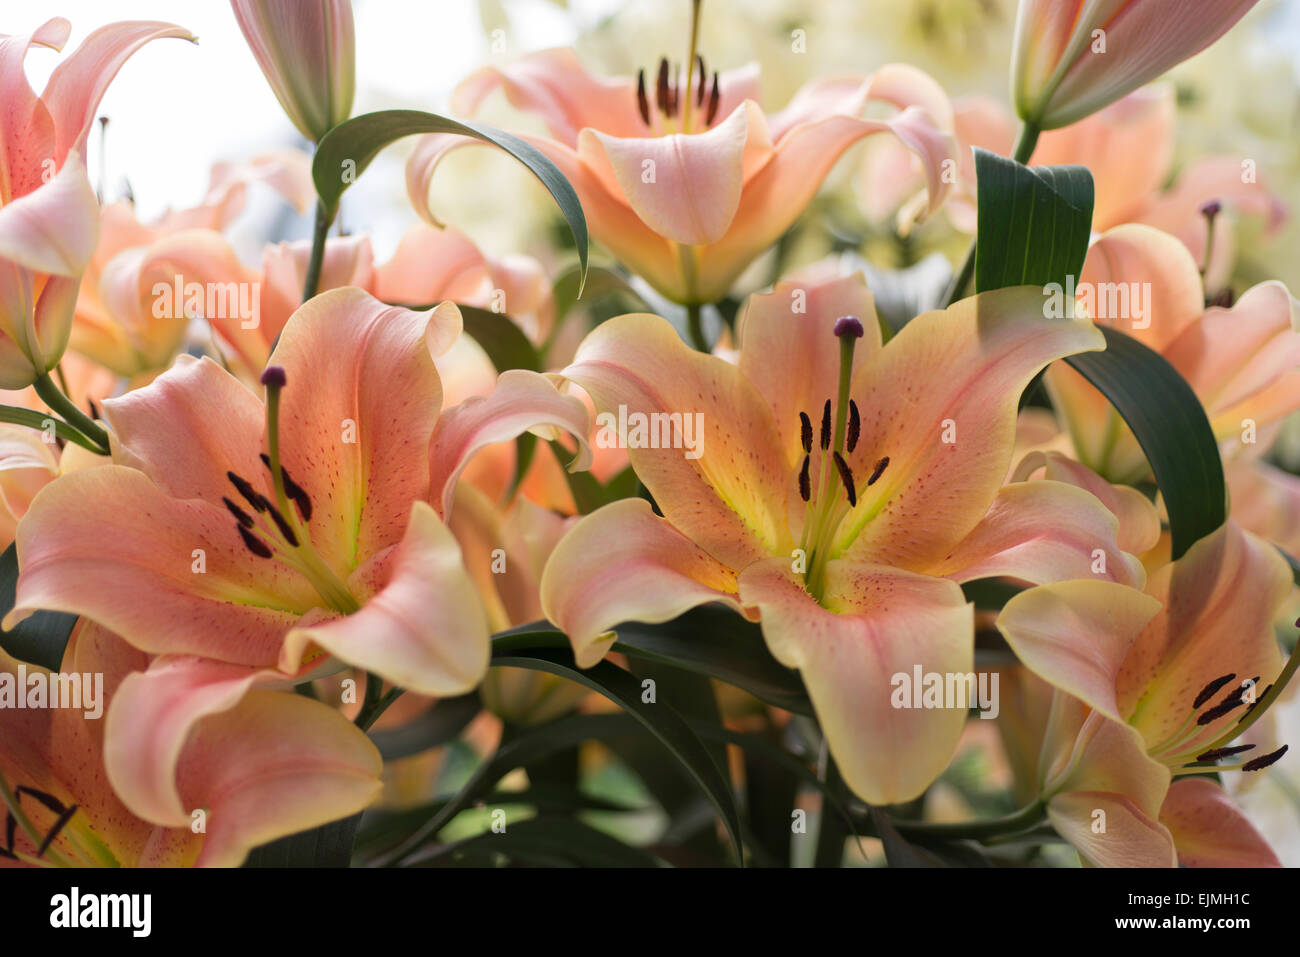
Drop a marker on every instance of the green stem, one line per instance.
(695, 326)
(1024, 151)
(39, 421)
(60, 403)
(376, 702)
(320, 227)
(690, 64)
(1021, 820)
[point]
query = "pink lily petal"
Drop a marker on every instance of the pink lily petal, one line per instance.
(53, 228)
(1243, 362)
(1220, 601)
(363, 393)
(169, 574)
(684, 187)
(1209, 829)
(555, 85)
(1040, 532)
(167, 430)
(521, 401)
(26, 127)
(878, 623)
(1266, 501)
(949, 444)
(431, 265)
(623, 563)
(1132, 838)
(732, 500)
(423, 626)
(896, 83)
(796, 322)
(1128, 147)
(1139, 521)
(348, 261)
(1076, 635)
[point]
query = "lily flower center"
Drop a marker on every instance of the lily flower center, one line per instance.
(826, 507)
(1177, 752)
(680, 111)
(273, 528)
(86, 848)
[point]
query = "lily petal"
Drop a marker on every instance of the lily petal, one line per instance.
(796, 322)
(1209, 829)
(1131, 838)
(423, 627)
(878, 623)
(363, 392)
(1075, 635)
(1042, 532)
(623, 563)
(950, 442)
(522, 400)
(53, 228)
(732, 499)
(685, 187)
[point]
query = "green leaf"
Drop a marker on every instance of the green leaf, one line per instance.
(714, 640)
(601, 283)
(41, 637)
(326, 846)
(501, 338)
(543, 652)
(1034, 222)
(345, 151)
(1171, 426)
(441, 723)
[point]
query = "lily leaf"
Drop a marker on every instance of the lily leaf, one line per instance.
(345, 151)
(41, 638)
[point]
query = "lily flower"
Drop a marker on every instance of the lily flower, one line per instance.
(1129, 149)
(242, 542)
(260, 767)
(307, 52)
(49, 216)
(684, 177)
(1241, 361)
(1072, 57)
(841, 492)
(1154, 687)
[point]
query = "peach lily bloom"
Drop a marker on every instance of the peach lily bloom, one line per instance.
(1072, 57)
(250, 547)
(307, 52)
(271, 765)
(1241, 361)
(1129, 149)
(849, 554)
(1152, 688)
(121, 320)
(49, 216)
(688, 194)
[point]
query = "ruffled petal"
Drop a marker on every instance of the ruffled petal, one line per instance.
(423, 628)
(940, 402)
(1209, 830)
(731, 499)
(53, 228)
(859, 656)
(623, 563)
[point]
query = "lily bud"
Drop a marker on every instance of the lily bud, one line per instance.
(1073, 57)
(307, 51)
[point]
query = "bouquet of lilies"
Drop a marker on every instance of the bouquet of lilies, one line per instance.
(657, 549)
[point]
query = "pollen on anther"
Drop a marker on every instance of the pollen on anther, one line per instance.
(1259, 764)
(1208, 691)
(846, 476)
(715, 100)
(253, 543)
(878, 471)
(826, 426)
(242, 517)
(805, 485)
(1218, 753)
(855, 427)
(805, 432)
(642, 101)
